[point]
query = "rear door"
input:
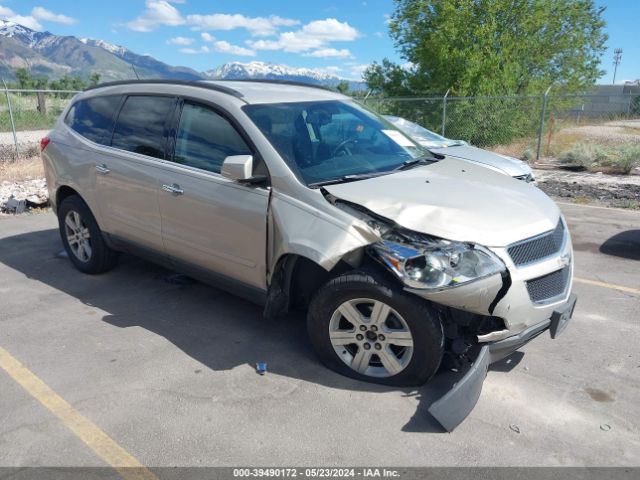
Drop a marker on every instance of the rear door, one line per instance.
(127, 178)
(207, 220)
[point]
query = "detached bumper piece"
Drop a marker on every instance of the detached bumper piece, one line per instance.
(451, 409)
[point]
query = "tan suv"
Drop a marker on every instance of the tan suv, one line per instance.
(299, 197)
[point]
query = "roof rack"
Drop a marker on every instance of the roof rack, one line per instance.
(276, 81)
(190, 83)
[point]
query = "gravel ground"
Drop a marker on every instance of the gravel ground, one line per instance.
(608, 190)
(28, 142)
(614, 133)
(23, 195)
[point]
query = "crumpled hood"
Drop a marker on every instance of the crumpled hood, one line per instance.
(456, 200)
(510, 166)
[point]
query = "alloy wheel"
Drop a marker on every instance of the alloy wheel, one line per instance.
(371, 337)
(78, 236)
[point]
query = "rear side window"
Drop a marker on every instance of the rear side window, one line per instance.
(93, 118)
(205, 139)
(141, 125)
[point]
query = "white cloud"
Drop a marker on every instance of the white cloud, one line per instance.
(156, 13)
(329, 52)
(220, 46)
(257, 26)
(27, 21)
(32, 21)
(195, 51)
(357, 70)
(223, 46)
(333, 68)
(379, 34)
(314, 35)
(180, 41)
(226, 47)
(45, 15)
(330, 29)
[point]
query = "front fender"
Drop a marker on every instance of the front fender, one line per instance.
(301, 229)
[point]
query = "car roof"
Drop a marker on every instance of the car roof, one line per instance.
(249, 91)
(277, 92)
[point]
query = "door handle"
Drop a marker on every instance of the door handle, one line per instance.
(175, 189)
(102, 169)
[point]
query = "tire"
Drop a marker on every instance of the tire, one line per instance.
(78, 226)
(358, 297)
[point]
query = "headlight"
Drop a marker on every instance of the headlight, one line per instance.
(435, 264)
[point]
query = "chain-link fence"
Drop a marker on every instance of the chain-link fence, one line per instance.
(527, 127)
(25, 116)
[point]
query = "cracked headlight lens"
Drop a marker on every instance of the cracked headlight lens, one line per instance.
(438, 264)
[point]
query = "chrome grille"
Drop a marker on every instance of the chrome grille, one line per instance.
(549, 286)
(539, 247)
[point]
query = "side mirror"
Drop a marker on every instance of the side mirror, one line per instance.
(238, 168)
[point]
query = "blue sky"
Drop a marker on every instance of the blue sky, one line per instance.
(340, 37)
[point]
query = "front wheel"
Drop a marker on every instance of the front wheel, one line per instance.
(362, 328)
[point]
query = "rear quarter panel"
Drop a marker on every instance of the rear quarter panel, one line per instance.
(70, 161)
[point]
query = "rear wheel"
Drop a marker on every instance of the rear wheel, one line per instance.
(82, 238)
(367, 330)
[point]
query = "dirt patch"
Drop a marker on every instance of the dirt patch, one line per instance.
(21, 170)
(599, 395)
(619, 195)
(28, 144)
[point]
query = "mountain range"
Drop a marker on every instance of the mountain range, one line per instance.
(53, 56)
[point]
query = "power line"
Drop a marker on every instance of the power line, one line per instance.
(617, 58)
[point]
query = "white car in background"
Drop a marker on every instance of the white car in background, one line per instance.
(462, 150)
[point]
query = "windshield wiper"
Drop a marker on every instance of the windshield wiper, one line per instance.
(347, 178)
(414, 162)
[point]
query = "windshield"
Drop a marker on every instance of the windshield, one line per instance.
(332, 140)
(421, 134)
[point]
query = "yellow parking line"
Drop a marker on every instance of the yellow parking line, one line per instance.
(607, 285)
(98, 441)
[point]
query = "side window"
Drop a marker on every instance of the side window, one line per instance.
(204, 139)
(141, 125)
(93, 118)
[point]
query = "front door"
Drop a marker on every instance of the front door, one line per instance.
(207, 220)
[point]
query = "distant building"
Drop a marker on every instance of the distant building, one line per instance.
(609, 100)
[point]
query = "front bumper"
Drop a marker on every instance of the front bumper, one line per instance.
(515, 306)
(453, 408)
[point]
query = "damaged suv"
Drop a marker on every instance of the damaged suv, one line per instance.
(300, 198)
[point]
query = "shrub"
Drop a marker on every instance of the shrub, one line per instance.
(527, 155)
(624, 158)
(584, 154)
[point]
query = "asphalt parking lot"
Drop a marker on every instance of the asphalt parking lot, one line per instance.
(167, 371)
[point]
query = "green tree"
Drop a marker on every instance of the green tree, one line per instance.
(68, 83)
(343, 87)
(94, 79)
(390, 79)
(24, 78)
(492, 47)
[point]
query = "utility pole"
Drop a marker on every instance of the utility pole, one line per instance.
(617, 57)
